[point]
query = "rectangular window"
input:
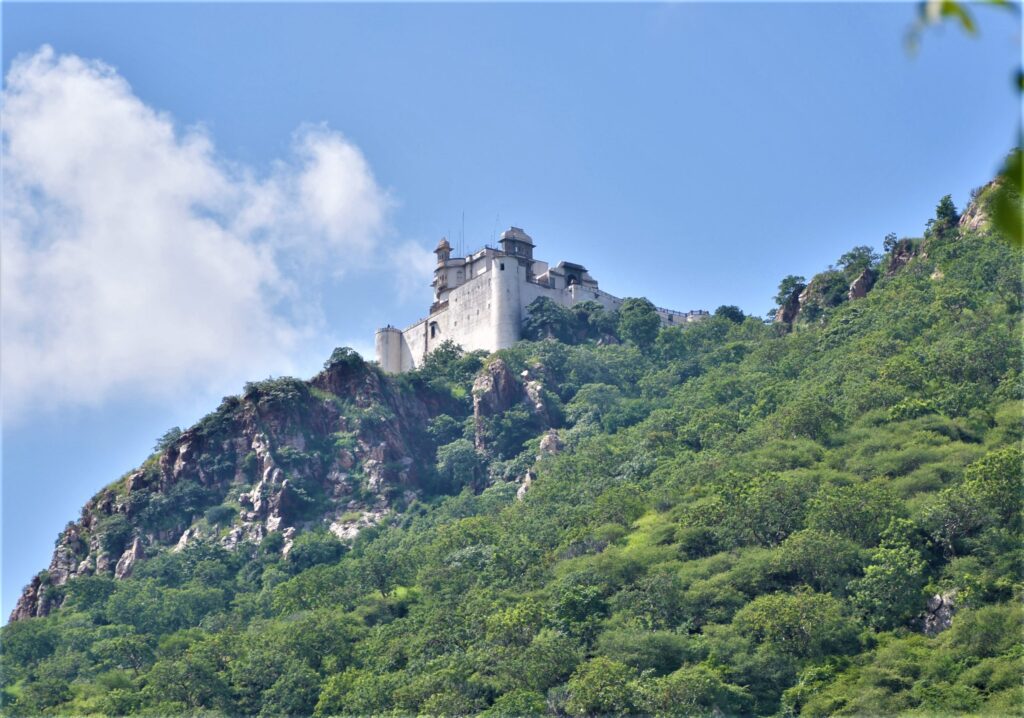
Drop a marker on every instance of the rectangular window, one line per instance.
(503, 266)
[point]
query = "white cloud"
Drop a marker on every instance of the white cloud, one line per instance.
(134, 259)
(414, 267)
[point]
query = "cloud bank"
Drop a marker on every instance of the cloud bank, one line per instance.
(134, 259)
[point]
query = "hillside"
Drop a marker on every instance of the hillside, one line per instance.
(816, 515)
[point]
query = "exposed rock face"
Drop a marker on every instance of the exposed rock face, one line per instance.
(975, 218)
(550, 444)
(127, 561)
(525, 485)
(496, 390)
(938, 615)
(346, 527)
(791, 307)
(902, 253)
(276, 449)
(860, 286)
(188, 535)
(33, 601)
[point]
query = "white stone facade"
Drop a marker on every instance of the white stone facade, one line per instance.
(480, 301)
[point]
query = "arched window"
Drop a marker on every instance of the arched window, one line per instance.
(434, 330)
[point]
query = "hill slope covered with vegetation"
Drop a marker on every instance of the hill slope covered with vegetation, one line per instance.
(817, 515)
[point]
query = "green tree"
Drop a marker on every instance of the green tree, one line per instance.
(946, 217)
(520, 703)
(294, 693)
(730, 312)
(167, 438)
(602, 686)
(344, 358)
(546, 319)
(892, 589)
(459, 464)
(857, 260)
(693, 691)
(824, 561)
(803, 624)
(313, 548)
(860, 512)
(791, 284)
(639, 322)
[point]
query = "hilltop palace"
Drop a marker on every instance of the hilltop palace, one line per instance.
(480, 301)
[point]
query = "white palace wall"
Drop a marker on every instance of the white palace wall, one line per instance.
(486, 311)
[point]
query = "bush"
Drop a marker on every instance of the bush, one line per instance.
(313, 548)
(602, 687)
(220, 515)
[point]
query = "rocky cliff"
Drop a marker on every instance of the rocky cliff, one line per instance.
(338, 451)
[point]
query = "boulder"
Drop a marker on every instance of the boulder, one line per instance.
(860, 286)
(550, 444)
(525, 485)
(133, 553)
(938, 615)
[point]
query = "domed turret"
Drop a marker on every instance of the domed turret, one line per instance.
(443, 251)
(517, 243)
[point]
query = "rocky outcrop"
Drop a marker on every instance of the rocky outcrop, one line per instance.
(497, 389)
(900, 256)
(285, 456)
(550, 444)
(34, 600)
(132, 554)
(524, 485)
(976, 218)
(860, 286)
(786, 313)
(938, 615)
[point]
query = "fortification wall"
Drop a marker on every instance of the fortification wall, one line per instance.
(486, 312)
(388, 344)
(506, 302)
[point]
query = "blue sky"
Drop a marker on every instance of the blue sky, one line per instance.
(691, 153)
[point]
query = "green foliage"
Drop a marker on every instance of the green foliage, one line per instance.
(802, 624)
(739, 521)
(220, 515)
(582, 322)
(167, 438)
(458, 465)
(892, 589)
(638, 322)
(791, 284)
(601, 687)
(945, 218)
(730, 312)
(826, 562)
(693, 691)
(344, 359)
(312, 549)
(283, 392)
(114, 532)
(857, 260)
